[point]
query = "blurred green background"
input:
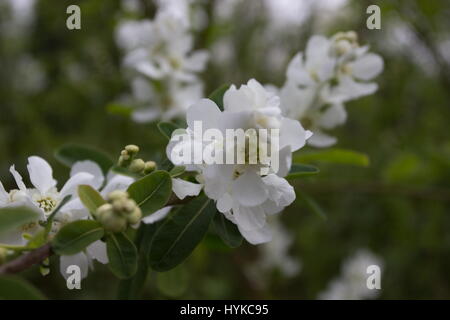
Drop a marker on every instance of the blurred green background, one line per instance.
(55, 85)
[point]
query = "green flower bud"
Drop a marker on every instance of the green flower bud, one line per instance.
(150, 166)
(124, 160)
(137, 166)
(130, 205)
(103, 209)
(113, 222)
(135, 216)
(117, 195)
(132, 149)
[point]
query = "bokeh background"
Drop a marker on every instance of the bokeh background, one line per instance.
(56, 84)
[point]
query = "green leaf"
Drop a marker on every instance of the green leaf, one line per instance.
(180, 233)
(167, 128)
(122, 255)
(339, 156)
(71, 153)
(166, 165)
(227, 231)
(173, 283)
(217, 95)
(300, 170)
(76, 236)
(38, 240)
(151, 192)
(131, 288)
(15, 217)
(177, 171)
(49, 222)
(119, 109)
(14, 288)
(313, 205)
(90, 198)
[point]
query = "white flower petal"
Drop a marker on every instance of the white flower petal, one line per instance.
(249, 218)
(3, 195)
(225, 203)
(249, 189)
(257, 236)
(157, 216)
(235, 100)
(292, 134)
(146, 115)
(279, 190)
(41, 174)
(197, 61)
(183, 188)
(89, 167)
(348, 89)
(72, 184)
(285, 157)
(321, 140)
(297, 73)
(79, 259)
(97, 251)
(17, 178)
(205, 111)
(116, 182)
(333, 116)
(367, 67)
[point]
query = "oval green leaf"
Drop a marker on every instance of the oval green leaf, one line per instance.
(180, 233)
(15, 217)
(90, 198)
(71, 153)
(177, 171)
(151, 192)
(76, 236)
(338, 156)
(122, 255)
(300, 170)
(167, 128)
(227, 231)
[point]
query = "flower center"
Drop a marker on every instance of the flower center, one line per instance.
(47, 204)
(29, 226)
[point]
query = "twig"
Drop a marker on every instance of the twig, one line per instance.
(27, 260)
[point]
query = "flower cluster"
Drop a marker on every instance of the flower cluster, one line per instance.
(165, 67)
(119, 212)
(45, 197)
(320, 80)
(138, 166)
(242, 192)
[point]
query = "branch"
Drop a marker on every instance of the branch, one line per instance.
(27, 260)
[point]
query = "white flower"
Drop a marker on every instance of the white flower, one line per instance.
(352, 283)
(84, 259)
(153, 105)
(44, 195)
(319, 82)
(241, 192)
(74, 210)
(161, 48)
(161, 54)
